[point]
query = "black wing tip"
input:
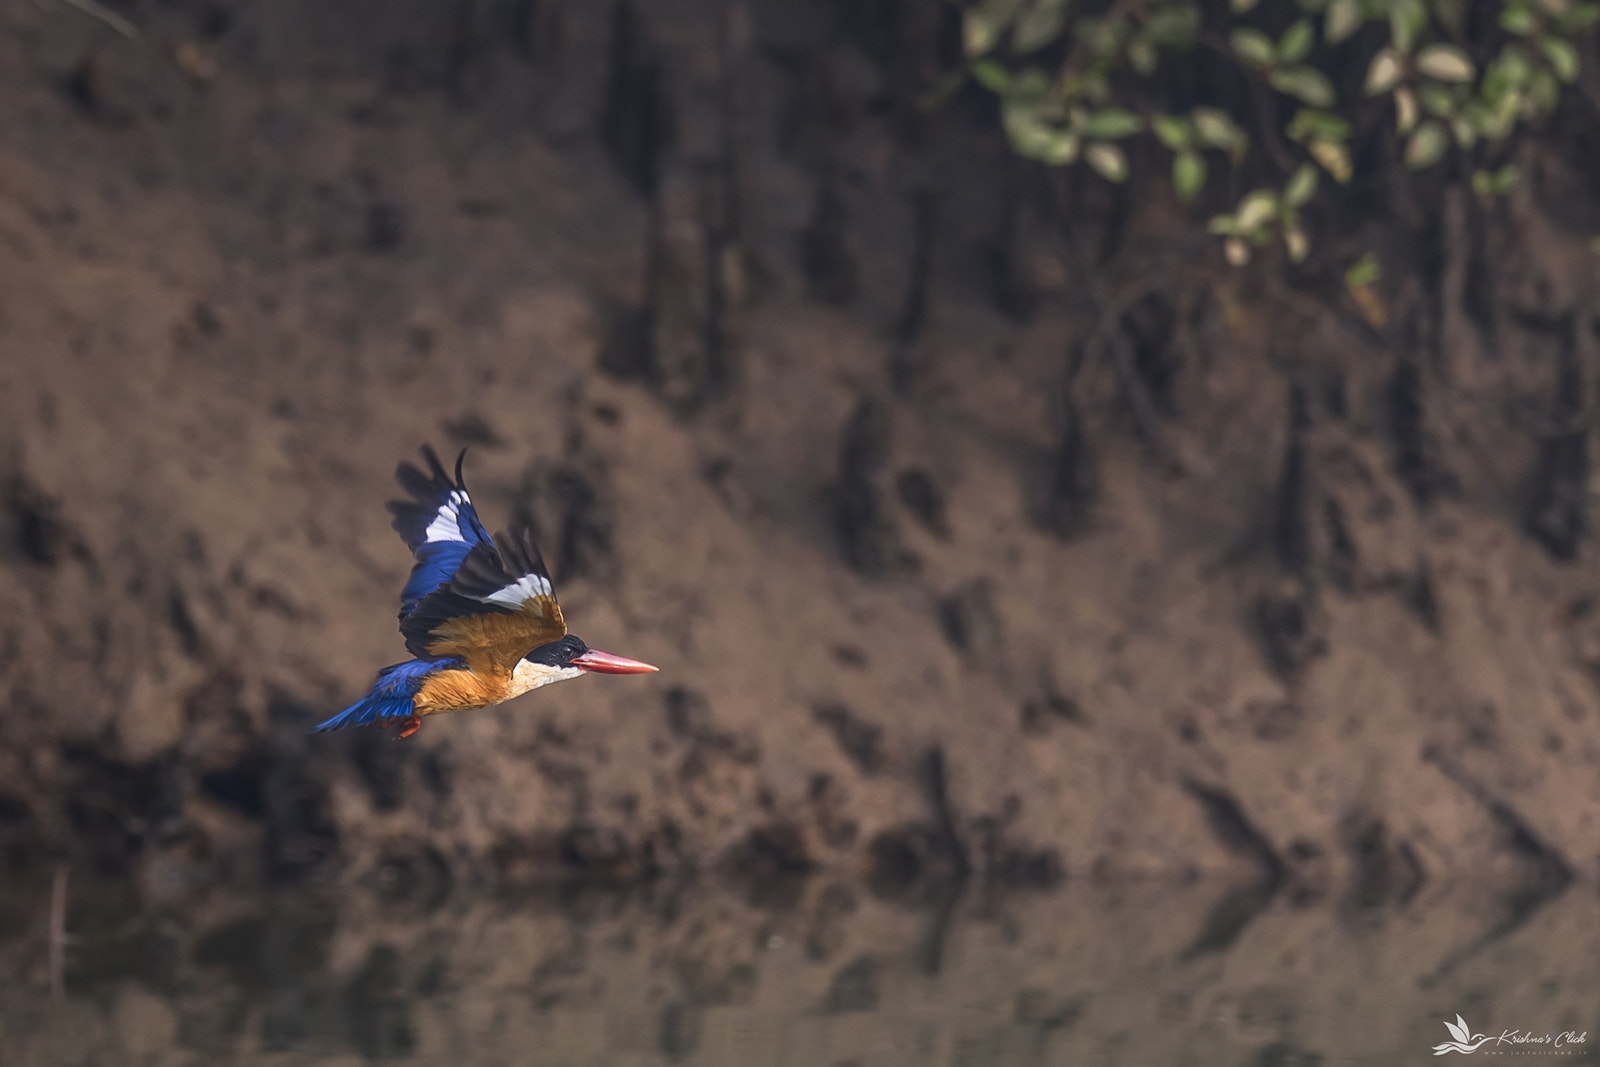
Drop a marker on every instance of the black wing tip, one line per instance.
(520, 553)
(438, 468)
(487, 568)
(427, 489)
(417, 482)
(434, 466)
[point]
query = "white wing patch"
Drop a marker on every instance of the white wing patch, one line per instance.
(446, 526)
(512, 596)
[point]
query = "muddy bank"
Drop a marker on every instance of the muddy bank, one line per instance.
(979, 520)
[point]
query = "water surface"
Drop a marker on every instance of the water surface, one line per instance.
(821, 973)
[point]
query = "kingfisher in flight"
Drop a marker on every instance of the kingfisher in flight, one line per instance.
(478, 613)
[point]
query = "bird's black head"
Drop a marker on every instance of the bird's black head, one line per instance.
(558, 653)
(570, 653)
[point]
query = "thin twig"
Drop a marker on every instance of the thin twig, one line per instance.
(1262, 99)
(1079, 56)
(1520, 413)
(1145, 413)
(58, 933)
(107, 16)
(1315, 311)
(1108, 332)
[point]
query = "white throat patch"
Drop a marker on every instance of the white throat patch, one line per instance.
(527, 676)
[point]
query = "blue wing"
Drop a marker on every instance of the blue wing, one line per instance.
(499, 605)
(391, 696)
(439, 525)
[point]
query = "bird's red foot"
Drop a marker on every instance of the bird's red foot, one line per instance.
(412, 725)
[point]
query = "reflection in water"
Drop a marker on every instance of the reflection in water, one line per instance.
(825, 974)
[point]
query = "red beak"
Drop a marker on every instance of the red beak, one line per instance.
(606, 663)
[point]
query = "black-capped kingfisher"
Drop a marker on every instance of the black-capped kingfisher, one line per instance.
(478, 613)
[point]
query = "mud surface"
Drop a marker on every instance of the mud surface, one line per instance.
(986, 529)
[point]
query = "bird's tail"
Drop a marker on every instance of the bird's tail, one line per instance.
(392, 697)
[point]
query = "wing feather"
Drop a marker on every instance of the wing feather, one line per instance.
(439, 525)
(497, 608)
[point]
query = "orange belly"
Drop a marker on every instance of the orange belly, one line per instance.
(458, 690)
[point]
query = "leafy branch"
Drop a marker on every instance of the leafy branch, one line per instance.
(1075, 85)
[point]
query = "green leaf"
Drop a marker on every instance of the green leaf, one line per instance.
(1256, 210)
(1188, 174)
(1302, 186)
(1031, 85)
(1217, 129)
(1363, 271)
(1492, 183)
(1295, 42)
(1312, 125)
(979, 32)
(1295, 242)
(1466, 133)
(1039, 25)
(1308, 84)
(1446, 62)
(1405, 110)
(1518, 19)
(1239, 7)
(1426, 145)
(1109, 124)
(1493, 123)
(1343, 19)
(1108, 160)
(1508, 73)
(1438, 100)
(1384, 72)
(1583, 16)
(1252, 46)
(1095, 85)
(1061, 149)
(1173, 27)
(1223, 225)
(1103, 37)
(1562, 55)
(1172, 132)
(1029, 135)
(1038, 140)
(1543, 90)
(1335, 159)
(1407, 19)
(991, 74)
(1142, 56)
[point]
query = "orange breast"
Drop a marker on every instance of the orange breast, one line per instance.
(458, 690)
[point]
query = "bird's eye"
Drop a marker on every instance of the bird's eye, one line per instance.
(555, 653)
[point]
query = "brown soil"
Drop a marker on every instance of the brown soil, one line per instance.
(972, 532)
